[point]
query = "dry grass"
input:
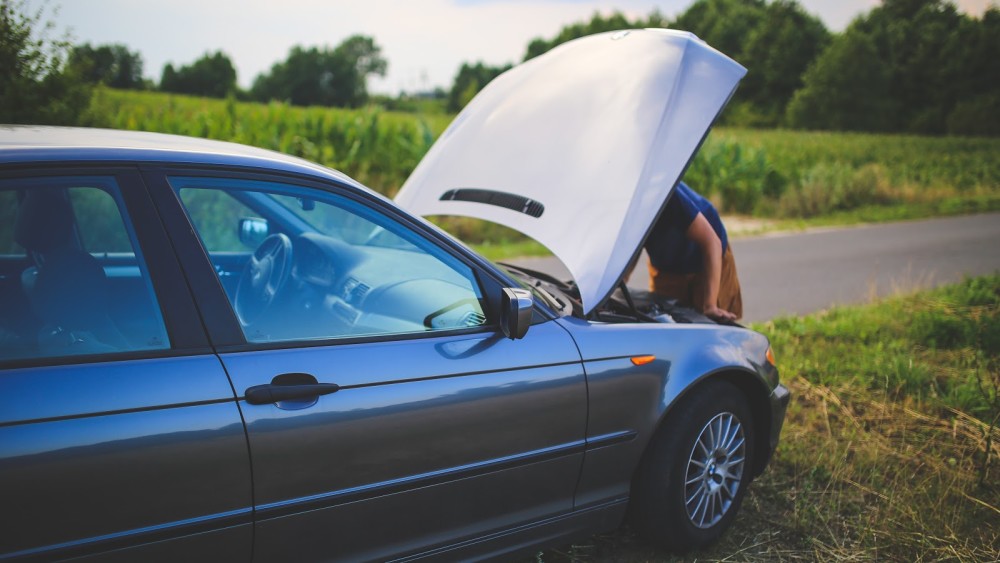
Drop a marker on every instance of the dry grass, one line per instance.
(857, 479)
(872, 478)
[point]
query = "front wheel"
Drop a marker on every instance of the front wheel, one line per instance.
(694, 474)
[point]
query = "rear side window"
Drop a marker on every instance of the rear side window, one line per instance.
(8, 214)
(100, 224)
(72, 280)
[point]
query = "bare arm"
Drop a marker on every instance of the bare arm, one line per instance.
(702, 234)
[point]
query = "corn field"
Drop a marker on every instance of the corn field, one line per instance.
(767, 173)
(376, 147)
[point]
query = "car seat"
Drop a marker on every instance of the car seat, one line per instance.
(67, 288)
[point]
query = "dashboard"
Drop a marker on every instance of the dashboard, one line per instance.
(338, 289)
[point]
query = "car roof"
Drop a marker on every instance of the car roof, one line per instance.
(40, 144)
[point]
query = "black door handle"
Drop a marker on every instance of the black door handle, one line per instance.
(271, 393)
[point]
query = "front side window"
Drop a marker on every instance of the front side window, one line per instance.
(72, 281)
(305, 264)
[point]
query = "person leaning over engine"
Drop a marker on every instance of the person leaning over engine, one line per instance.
(690, 258)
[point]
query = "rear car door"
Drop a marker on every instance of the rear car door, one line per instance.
(426, 426)
(119, 434)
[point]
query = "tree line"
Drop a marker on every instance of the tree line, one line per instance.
(308, 76)
(48, 80)
(917, 66)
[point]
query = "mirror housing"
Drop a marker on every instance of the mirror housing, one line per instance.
(253, 231)
(516, 308)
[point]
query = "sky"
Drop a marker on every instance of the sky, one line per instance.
(424, 41)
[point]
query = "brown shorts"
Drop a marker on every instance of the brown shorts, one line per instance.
(689, 289)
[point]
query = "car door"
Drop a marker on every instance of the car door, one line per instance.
(425, 425)
(120, 436)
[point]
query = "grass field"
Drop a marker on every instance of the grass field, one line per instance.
(890, 449)
(795, 179)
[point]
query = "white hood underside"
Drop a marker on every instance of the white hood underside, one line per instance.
(580, 147)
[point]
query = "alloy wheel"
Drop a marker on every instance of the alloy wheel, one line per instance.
(714, 470)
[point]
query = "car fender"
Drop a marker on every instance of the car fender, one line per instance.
(629, 403)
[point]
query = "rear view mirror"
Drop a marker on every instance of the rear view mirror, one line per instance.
(253, 231)
(516, 307)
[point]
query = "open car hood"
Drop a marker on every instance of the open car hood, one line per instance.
(580, 147)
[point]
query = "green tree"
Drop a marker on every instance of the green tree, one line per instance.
(776, 41)
(469, 81)
(360, 57)
(777, 53)
(472, 78)
(35, 84)
(328, 77)
(977, 109)
(845, 89)
(723, 24)
(917, 40)
(597, 24)
(937, 72)
(213, 75)
(112, 65)
(976, 116)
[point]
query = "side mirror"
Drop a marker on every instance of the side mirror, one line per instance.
(516, 308)
(253, 231)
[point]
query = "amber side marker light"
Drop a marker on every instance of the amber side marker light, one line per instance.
(770, 357)
(642, 360)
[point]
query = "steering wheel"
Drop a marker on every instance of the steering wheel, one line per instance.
(264, 276)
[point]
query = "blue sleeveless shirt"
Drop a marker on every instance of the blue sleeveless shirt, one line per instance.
(668, 246)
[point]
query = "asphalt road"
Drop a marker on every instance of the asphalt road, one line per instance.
(799, 273)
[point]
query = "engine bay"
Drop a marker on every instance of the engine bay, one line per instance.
(624, 305)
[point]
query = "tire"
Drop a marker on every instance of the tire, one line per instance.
(692, 479)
